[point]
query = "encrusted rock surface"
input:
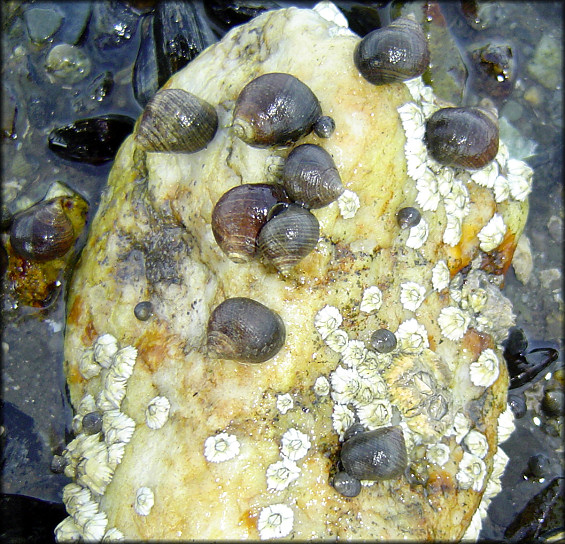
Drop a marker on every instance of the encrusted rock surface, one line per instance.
(224, 460)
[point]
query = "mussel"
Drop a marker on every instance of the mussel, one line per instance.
(43, 232)
(465, 137)
(178, 121)
(239, 215)
(93, 140)
(310, 176)
(396, 52)
(288, 236)
(244, 330)
(379, 454)
(275, 109)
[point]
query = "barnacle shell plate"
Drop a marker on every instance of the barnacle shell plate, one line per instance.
(152, 234)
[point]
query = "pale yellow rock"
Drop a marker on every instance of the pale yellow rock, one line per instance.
(523, 262)
(151, 240)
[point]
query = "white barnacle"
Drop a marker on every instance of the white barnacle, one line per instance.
(348, 204)
(452, 232)
(505, 425)
(124, 361)
(107, 401)
(327, 320)
(444, 181)
(476, 300)
(337, 340)
(342, 419)
(369, 390)
(492, 234)
(116, 453)
(144, 500)
(275, 521)
(157, 412)
(345, 384)
(473, 530)
(321, 386)
(502, 155)
(501, 189)
(113, 535)
(330, 12)
(371, 300)
(77, 493)
(284, 403)
(281, 474)
(354, 353)
(87, 366)
(87, 405)
(471, 473)
(95, 527)
(221, 447)
(376, 414)
(484, 371)
(84, 512)
(453, 322)
(294, 444)
(461, 426)
(412, 119)
(412, 336)
(457, 201)
(117, 426)
(416, 156)
(476, 443)
(95, 473)
(428, 196)
(411, 438)
(418, 235)
(371, 366)
(519, 176)
(438, 454)
(105, 347)
(412, 295)
(114, 388)
(67, 531)
(415, 86)
(440, 276)
(486, 176)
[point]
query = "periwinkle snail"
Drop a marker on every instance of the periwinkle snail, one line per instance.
(275, 109)
(177, 121)
(396, 52)
(346, 485)
(465, 137)
(383, 341)
(244, 330)
(379, 454)
(289, 235)
(310, 176)
(239, 215)
(408, 217)
(43, 232)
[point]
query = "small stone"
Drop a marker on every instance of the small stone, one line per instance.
(533, 95)
(555, 228)
(550, 278)
(522, 261)
(545, 66)
(67, 63)
(538, 465)
(42, 23)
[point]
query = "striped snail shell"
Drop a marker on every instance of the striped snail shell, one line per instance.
(465, 137)
(244, 330)
(275, 109)
(288, 236)
(177, 121)
(310, 176)
(396, 52)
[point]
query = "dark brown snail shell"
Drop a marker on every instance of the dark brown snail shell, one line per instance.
(396, 52)
(379, 454)
(177, 121)
(288, 237)
(242, 329)
(275, 109)
(408, 217)
(464, 137)
(310, 176)
(239, 215)
(43, 232)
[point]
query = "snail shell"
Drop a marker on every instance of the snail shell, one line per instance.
(396, 52)
(383, 341)
(43, 232)
(346, 485)
(379, 454)
(288, 236)
(324, 127)
(275, 109)
(239, 215)
(242, 329)
(408, 217)
(310, 176)
(178, 121)
(464, 137)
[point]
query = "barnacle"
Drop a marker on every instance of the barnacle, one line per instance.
(519, 176)
(105, 347)
(505, 426)
(327, 320)
(144, 500)
(284, 403)
(371, 300)
(472, 472)
(476, 443)
(342, 418)
(281, 474)
(412, 295)
(157, 412)
(440, 276)
(438, 454)
(294, 444)
(453, 322)
(221, 447)
(321, 386)
(484, 371)
(348, 204)
(492, 233)
(354, 353)
(337, 340)
(275, 521)
(418, 235)
(412, 336)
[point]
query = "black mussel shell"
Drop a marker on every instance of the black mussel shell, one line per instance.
(145, 78)
(524, 369)
(228, 14)
(516, 343)
(93, 140)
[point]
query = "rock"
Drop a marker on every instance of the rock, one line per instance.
(546, 63)
(42, 23)
(522, 262)
(219, 450)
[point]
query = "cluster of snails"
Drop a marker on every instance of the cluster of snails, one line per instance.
(379, 454)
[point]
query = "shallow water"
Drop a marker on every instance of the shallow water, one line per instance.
(36, 413)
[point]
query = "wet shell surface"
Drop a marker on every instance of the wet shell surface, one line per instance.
(275, 109)
(239, 215)
(42, 232)
(393, 53)
(379, 454)
(462, 137)
(288, 237)
(177, 121)
(242, 329)
(310, 176)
